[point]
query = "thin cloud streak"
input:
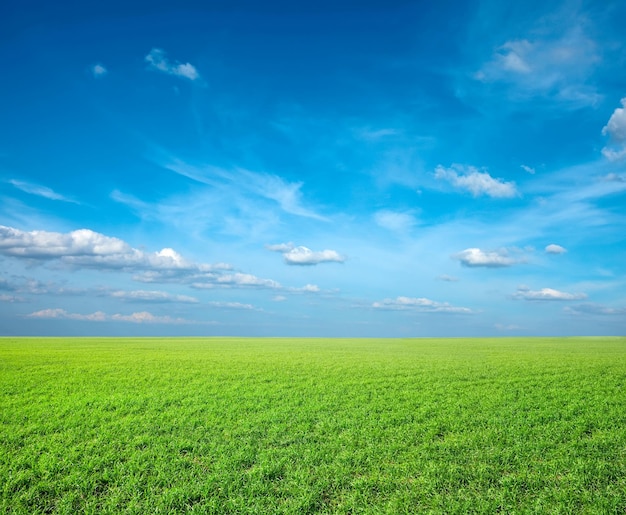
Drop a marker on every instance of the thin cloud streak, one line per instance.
(140, 317)
(40, 191)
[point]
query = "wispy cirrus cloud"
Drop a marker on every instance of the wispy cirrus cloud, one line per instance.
(419, 304)
(305, 256)
(238, 182)
(478, 183)
(448, 278)
(595, 309)
(30, 286)
(157, 60)
(40, 191)
(548, 63)
(400, 222)
(526, 293)
(475, 257)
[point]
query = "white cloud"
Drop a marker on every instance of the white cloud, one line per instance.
(305, 256)
(546, 294)
(396, 221)
(419, 304)
(614, 177)
(51, 245)
(98, 70)
(145, 317)
(447, 278)
(374, 135)
(280, 247)
(40, 191)
(287, 195)
(554, 67)
(616, 129)
(507, 327)
(555, 249)
(10, 298)
(236, 183)
(595, 309)
(239, 279)
(87, 249)
(528, 169)
(231, 305)
(474, 257)
(58, 313)
(151, 296)
(142, 317)
(307, 288)
(476, 182)
(158, 61)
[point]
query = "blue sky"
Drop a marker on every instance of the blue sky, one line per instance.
(453, 168)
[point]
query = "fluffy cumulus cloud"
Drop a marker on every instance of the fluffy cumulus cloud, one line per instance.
(475, 257)
(88, 249)
(84, 248)
(419, 304)
(555, 249)
(141, 317)
(157, 60)
(546, 294)
(474, 181)
(616, 130)
(304, 255)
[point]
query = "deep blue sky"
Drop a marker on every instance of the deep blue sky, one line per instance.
(313, 168)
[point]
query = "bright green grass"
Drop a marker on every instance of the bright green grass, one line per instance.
(313, 425)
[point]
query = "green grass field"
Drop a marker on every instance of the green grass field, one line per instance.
(227, 425)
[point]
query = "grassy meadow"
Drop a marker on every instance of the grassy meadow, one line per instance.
(228, 425)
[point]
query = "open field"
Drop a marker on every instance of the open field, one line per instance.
(226, 425)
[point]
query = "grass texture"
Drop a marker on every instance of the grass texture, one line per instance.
(227, 425)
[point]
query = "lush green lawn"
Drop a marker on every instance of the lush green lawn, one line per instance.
(313, 425)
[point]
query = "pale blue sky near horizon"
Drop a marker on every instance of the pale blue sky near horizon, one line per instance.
(399, 168)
